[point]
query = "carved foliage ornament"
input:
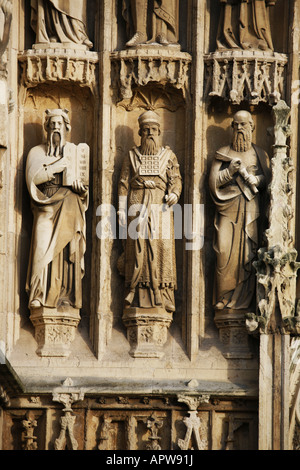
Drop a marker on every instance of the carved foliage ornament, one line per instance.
(277, 264)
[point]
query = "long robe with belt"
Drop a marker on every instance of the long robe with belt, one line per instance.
(236, 229)
(64, 20)
(56, 264)
(150, 261)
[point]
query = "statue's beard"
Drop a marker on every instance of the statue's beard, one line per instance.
(55, 143)
(241, 141)
(149, 146)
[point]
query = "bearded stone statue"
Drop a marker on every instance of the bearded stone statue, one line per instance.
(150, 179)
(239, 174)
(56, 265)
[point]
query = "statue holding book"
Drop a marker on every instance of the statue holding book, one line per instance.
(57, 176)
(239, 174)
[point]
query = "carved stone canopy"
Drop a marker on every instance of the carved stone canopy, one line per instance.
(254, 76)
(137, 68)
(59, 65)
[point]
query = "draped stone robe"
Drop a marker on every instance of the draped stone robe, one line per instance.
(59, 21)
(236, 227)
(150, 264)
(245, 24)
(56, 263)
(165, 13)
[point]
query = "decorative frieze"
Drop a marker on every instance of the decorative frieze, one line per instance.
(4, 398)
(193, 423)
(66, 437)
(29, 425)
(154, 424)
(245, 76)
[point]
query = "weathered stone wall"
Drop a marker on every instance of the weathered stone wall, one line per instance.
(202, 381)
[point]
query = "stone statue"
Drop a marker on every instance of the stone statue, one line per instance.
(6, 8)
(150, 178)
(238, 175)
(57, 184)
(245, 24)
(164, 24)
(60, 21)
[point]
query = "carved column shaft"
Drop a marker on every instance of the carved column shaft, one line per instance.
(276, 297)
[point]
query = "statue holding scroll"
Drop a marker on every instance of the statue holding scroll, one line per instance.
(163, 27)
(57, 180)
(150, 184)
(238, 175)
(245, 24)
(60, 21)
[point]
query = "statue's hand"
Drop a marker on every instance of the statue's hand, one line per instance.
(253, 180)
(79, 188)
(122, 217)
(171, 199)
(234, 166)
(59, 166)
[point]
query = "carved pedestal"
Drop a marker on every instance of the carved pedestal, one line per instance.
(54, 330)
(147, 330)
(233, 333)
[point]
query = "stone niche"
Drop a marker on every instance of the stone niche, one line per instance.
(146, 335)
(255, 74)
(236, 342)
(54, 334)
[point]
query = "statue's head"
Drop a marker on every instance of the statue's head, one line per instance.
(243, 127)
(57, 125)
(149, 130)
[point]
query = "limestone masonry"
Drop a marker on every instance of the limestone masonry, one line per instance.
(150, 225)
